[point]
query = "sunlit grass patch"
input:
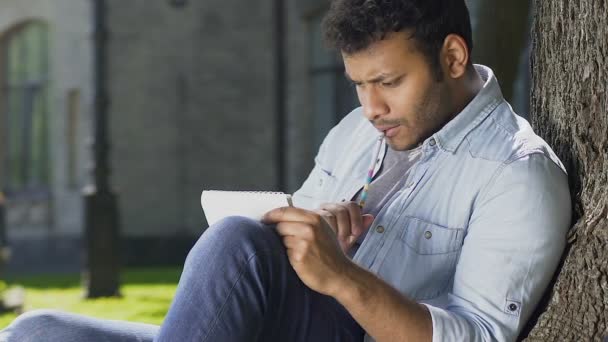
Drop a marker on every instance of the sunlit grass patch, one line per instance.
(146, 295)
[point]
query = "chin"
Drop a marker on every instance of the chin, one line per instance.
(398, 146)
(401, 145)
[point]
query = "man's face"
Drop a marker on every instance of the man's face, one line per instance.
(398, 90)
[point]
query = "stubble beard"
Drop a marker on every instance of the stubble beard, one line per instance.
(428, 118)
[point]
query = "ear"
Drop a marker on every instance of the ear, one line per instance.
(454, 56)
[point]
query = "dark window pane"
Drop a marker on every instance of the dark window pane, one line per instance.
(323, 89)
(346, 96)
(333, 96)
(321, 57)
(26, 111)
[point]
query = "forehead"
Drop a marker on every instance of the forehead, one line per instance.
(396, 51)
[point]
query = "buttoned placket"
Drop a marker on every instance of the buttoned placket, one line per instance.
(352, 191)
(383, 225)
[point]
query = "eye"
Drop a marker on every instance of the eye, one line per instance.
(393, 83)
(356, 85)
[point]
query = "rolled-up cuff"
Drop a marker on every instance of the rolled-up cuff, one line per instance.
(447, 326)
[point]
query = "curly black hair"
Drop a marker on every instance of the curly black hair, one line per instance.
(352, 25)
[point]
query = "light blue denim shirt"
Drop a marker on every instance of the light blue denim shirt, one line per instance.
(477, 230)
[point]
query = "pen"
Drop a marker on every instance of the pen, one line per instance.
(370, 173)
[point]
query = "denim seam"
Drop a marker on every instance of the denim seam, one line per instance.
(482, 116)
(489, 186)
(221, 311)
(411, 217)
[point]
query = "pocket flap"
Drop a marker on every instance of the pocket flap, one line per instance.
(429, 238)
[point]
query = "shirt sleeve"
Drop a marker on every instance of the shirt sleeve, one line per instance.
(320, 183)
(516, 236)
(311, 193)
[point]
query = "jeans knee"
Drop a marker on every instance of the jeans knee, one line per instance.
(244, 231)
(40, 317)
(236, 235)
(32, 326)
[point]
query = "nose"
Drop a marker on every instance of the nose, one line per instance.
(374, 105)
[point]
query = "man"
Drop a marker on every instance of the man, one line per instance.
(461, 231)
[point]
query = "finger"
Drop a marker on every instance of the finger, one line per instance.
(295, 256)
(351, 240)
(291, 214)
(356, 219)
(292, 242)
(367, 221)
(330, 218)
(342, 219)
(297, 230)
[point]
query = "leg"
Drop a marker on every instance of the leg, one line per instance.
(238, 285)
(52, 325)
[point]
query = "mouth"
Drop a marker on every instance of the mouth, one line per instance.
(388, 131)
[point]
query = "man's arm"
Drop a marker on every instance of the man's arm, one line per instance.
(514, 241)
(515, 238)
(316, 256)
(381, 310)
(373, 303)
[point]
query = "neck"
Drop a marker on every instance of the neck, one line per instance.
(465, 91)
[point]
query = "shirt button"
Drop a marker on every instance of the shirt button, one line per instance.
(513, 307)
(432, 142)
(428, 235)
(320, 181)
(380, 229)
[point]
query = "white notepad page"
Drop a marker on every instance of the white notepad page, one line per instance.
(253, 204)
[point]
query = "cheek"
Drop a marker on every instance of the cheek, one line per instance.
(407, 102)
(424, 97)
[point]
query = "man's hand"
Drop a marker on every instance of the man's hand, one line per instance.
(315, 254)
(346, 221)
(312, 248)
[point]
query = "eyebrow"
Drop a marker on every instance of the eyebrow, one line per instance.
(376, 79)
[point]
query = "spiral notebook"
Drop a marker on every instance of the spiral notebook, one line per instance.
(253, 204)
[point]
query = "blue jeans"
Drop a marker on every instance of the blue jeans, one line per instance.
(237, 285)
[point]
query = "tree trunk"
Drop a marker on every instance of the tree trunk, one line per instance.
(570, 110)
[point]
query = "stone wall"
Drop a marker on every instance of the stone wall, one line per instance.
(191, 107)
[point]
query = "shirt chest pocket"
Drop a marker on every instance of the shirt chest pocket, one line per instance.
(421, 260)
(426, 238)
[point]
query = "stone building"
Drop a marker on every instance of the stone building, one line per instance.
(216, 94)
(202, 95)
(45, 111)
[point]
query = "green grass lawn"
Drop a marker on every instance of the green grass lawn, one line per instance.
(146, 295)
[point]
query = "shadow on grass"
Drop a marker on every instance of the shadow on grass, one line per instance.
(144, 276)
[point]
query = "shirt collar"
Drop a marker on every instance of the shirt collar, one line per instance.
(488, 98)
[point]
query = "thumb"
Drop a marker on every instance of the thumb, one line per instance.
(367, 221)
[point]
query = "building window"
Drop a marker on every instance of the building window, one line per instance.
(25, 91)
(333, 96)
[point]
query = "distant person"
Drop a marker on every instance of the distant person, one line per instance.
(461, 230)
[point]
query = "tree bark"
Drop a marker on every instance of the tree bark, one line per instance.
(570, 110)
